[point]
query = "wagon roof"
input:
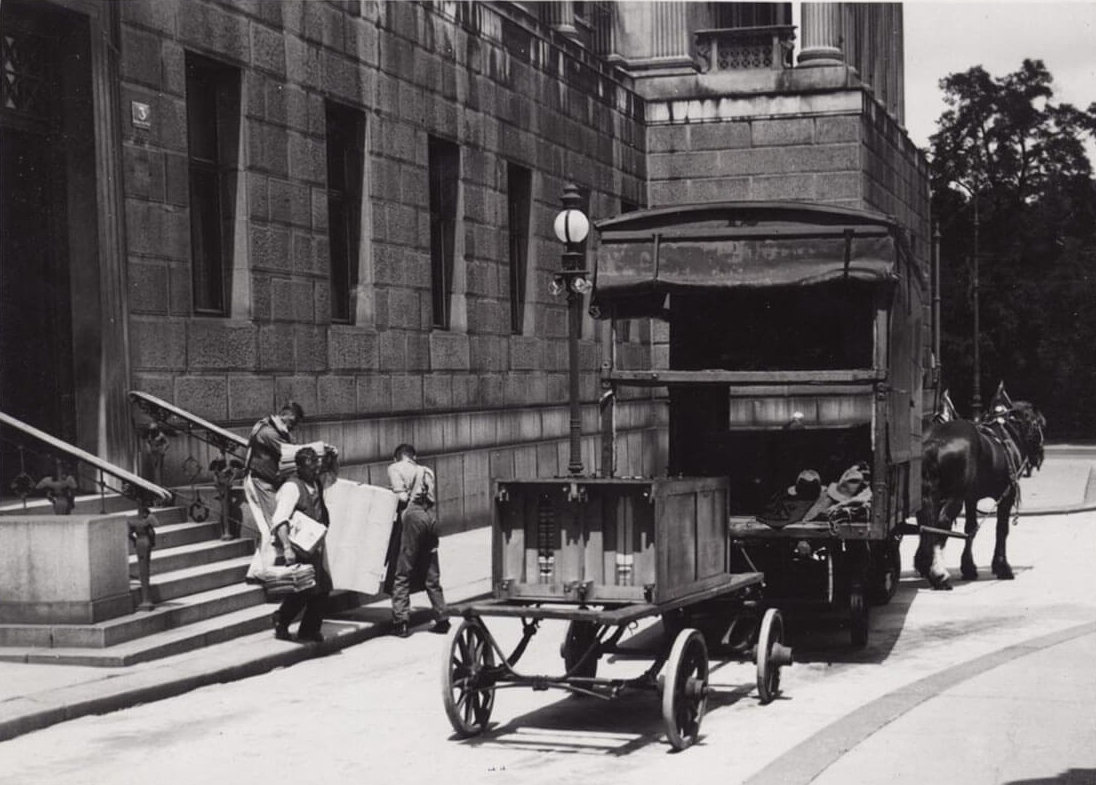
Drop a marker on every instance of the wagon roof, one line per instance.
(645, 255)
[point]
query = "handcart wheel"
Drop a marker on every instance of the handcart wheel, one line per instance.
(858, 617)
(468, 687)
(768, 665)
(685, 689)
(580, 636)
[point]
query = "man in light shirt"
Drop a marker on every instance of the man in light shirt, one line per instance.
(415, 485)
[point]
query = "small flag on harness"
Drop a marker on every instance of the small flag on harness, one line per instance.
(946, 411)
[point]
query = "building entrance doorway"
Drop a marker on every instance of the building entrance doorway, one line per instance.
(47, 207)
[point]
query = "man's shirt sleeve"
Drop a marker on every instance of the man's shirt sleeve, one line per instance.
(284, 505)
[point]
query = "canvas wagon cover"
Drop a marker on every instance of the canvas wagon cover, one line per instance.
(644, 256)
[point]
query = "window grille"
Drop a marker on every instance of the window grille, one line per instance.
(345, 164)
(444, 174)
(213, 106)
(519, 182)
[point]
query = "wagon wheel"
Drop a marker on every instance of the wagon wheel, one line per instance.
(468, 687)
(581, 635)
(685, 689)
(768, 666)
(886, 575)
(858, 616)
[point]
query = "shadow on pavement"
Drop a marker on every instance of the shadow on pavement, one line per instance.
(614, 727)
(825, 636)
(1067, 777)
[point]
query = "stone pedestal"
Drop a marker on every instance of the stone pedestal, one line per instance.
(63, 569)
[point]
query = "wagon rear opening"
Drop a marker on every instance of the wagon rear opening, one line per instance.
(762, 436)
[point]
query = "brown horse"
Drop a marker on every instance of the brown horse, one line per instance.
(963, 462)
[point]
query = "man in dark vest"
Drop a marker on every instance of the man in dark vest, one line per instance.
(304, 493)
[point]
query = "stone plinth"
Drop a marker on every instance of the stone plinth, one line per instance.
(63, 569)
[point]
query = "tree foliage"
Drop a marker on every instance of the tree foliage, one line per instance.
(1005, 154)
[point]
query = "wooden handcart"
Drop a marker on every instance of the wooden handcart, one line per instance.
(602, 555)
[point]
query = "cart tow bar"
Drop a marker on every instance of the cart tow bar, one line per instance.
(944, 532)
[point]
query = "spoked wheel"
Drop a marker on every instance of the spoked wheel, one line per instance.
(886, 575)
(685, 688)
(858, 617)
(770, 655)
(581, 635)
(468, 688)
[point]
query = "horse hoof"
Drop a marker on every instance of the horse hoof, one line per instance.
(1004, 574)
(971, 574)
(940, 583)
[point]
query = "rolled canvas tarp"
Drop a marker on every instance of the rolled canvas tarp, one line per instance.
(642, 257)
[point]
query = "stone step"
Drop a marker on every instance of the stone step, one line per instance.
(195, 635)
(191, 580)
(207, 632)
(192, 554)
(184, 611)
(173, 535)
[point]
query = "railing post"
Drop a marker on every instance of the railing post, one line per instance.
(225, 473)
(142, 533)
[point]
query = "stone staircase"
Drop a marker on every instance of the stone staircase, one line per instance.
(201, 598)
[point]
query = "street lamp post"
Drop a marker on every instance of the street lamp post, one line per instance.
(976, 392)
(571, 228)
(976, 389)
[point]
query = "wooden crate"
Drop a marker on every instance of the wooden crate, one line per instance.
(597, 541)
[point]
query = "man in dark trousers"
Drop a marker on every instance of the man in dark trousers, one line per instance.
(303, 492)
(415, 485)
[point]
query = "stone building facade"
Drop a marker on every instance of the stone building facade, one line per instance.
(349, 204)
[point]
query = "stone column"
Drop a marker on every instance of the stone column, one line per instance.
(670, 34)
(115, 428)
(563, 18)
(821, 35)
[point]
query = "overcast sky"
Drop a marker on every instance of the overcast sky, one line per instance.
(948, 37)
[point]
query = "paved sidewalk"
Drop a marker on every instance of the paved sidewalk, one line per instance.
(1020, 715)
(36, 696)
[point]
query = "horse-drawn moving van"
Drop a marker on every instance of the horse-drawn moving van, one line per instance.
(794, 385)
(795, 372)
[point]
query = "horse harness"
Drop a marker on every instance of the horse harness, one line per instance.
(999, 431)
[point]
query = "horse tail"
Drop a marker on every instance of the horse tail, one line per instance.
(930, 510)
(930, 483)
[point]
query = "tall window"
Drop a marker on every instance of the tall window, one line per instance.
(345, 159)
(213, 122)
(519, 185)
(752, 14)
(444, 165)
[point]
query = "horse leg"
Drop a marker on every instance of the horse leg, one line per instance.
(1000, 565)
(938, 573)
(922, 559)
(970, 571)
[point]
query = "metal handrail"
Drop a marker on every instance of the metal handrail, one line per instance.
(180, 419)
(132, 485)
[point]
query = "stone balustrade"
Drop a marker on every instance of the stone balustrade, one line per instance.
(745, 48)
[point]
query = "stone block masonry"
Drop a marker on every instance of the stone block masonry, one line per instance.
(412, 72)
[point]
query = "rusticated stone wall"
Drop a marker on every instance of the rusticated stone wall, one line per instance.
(476, 399)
